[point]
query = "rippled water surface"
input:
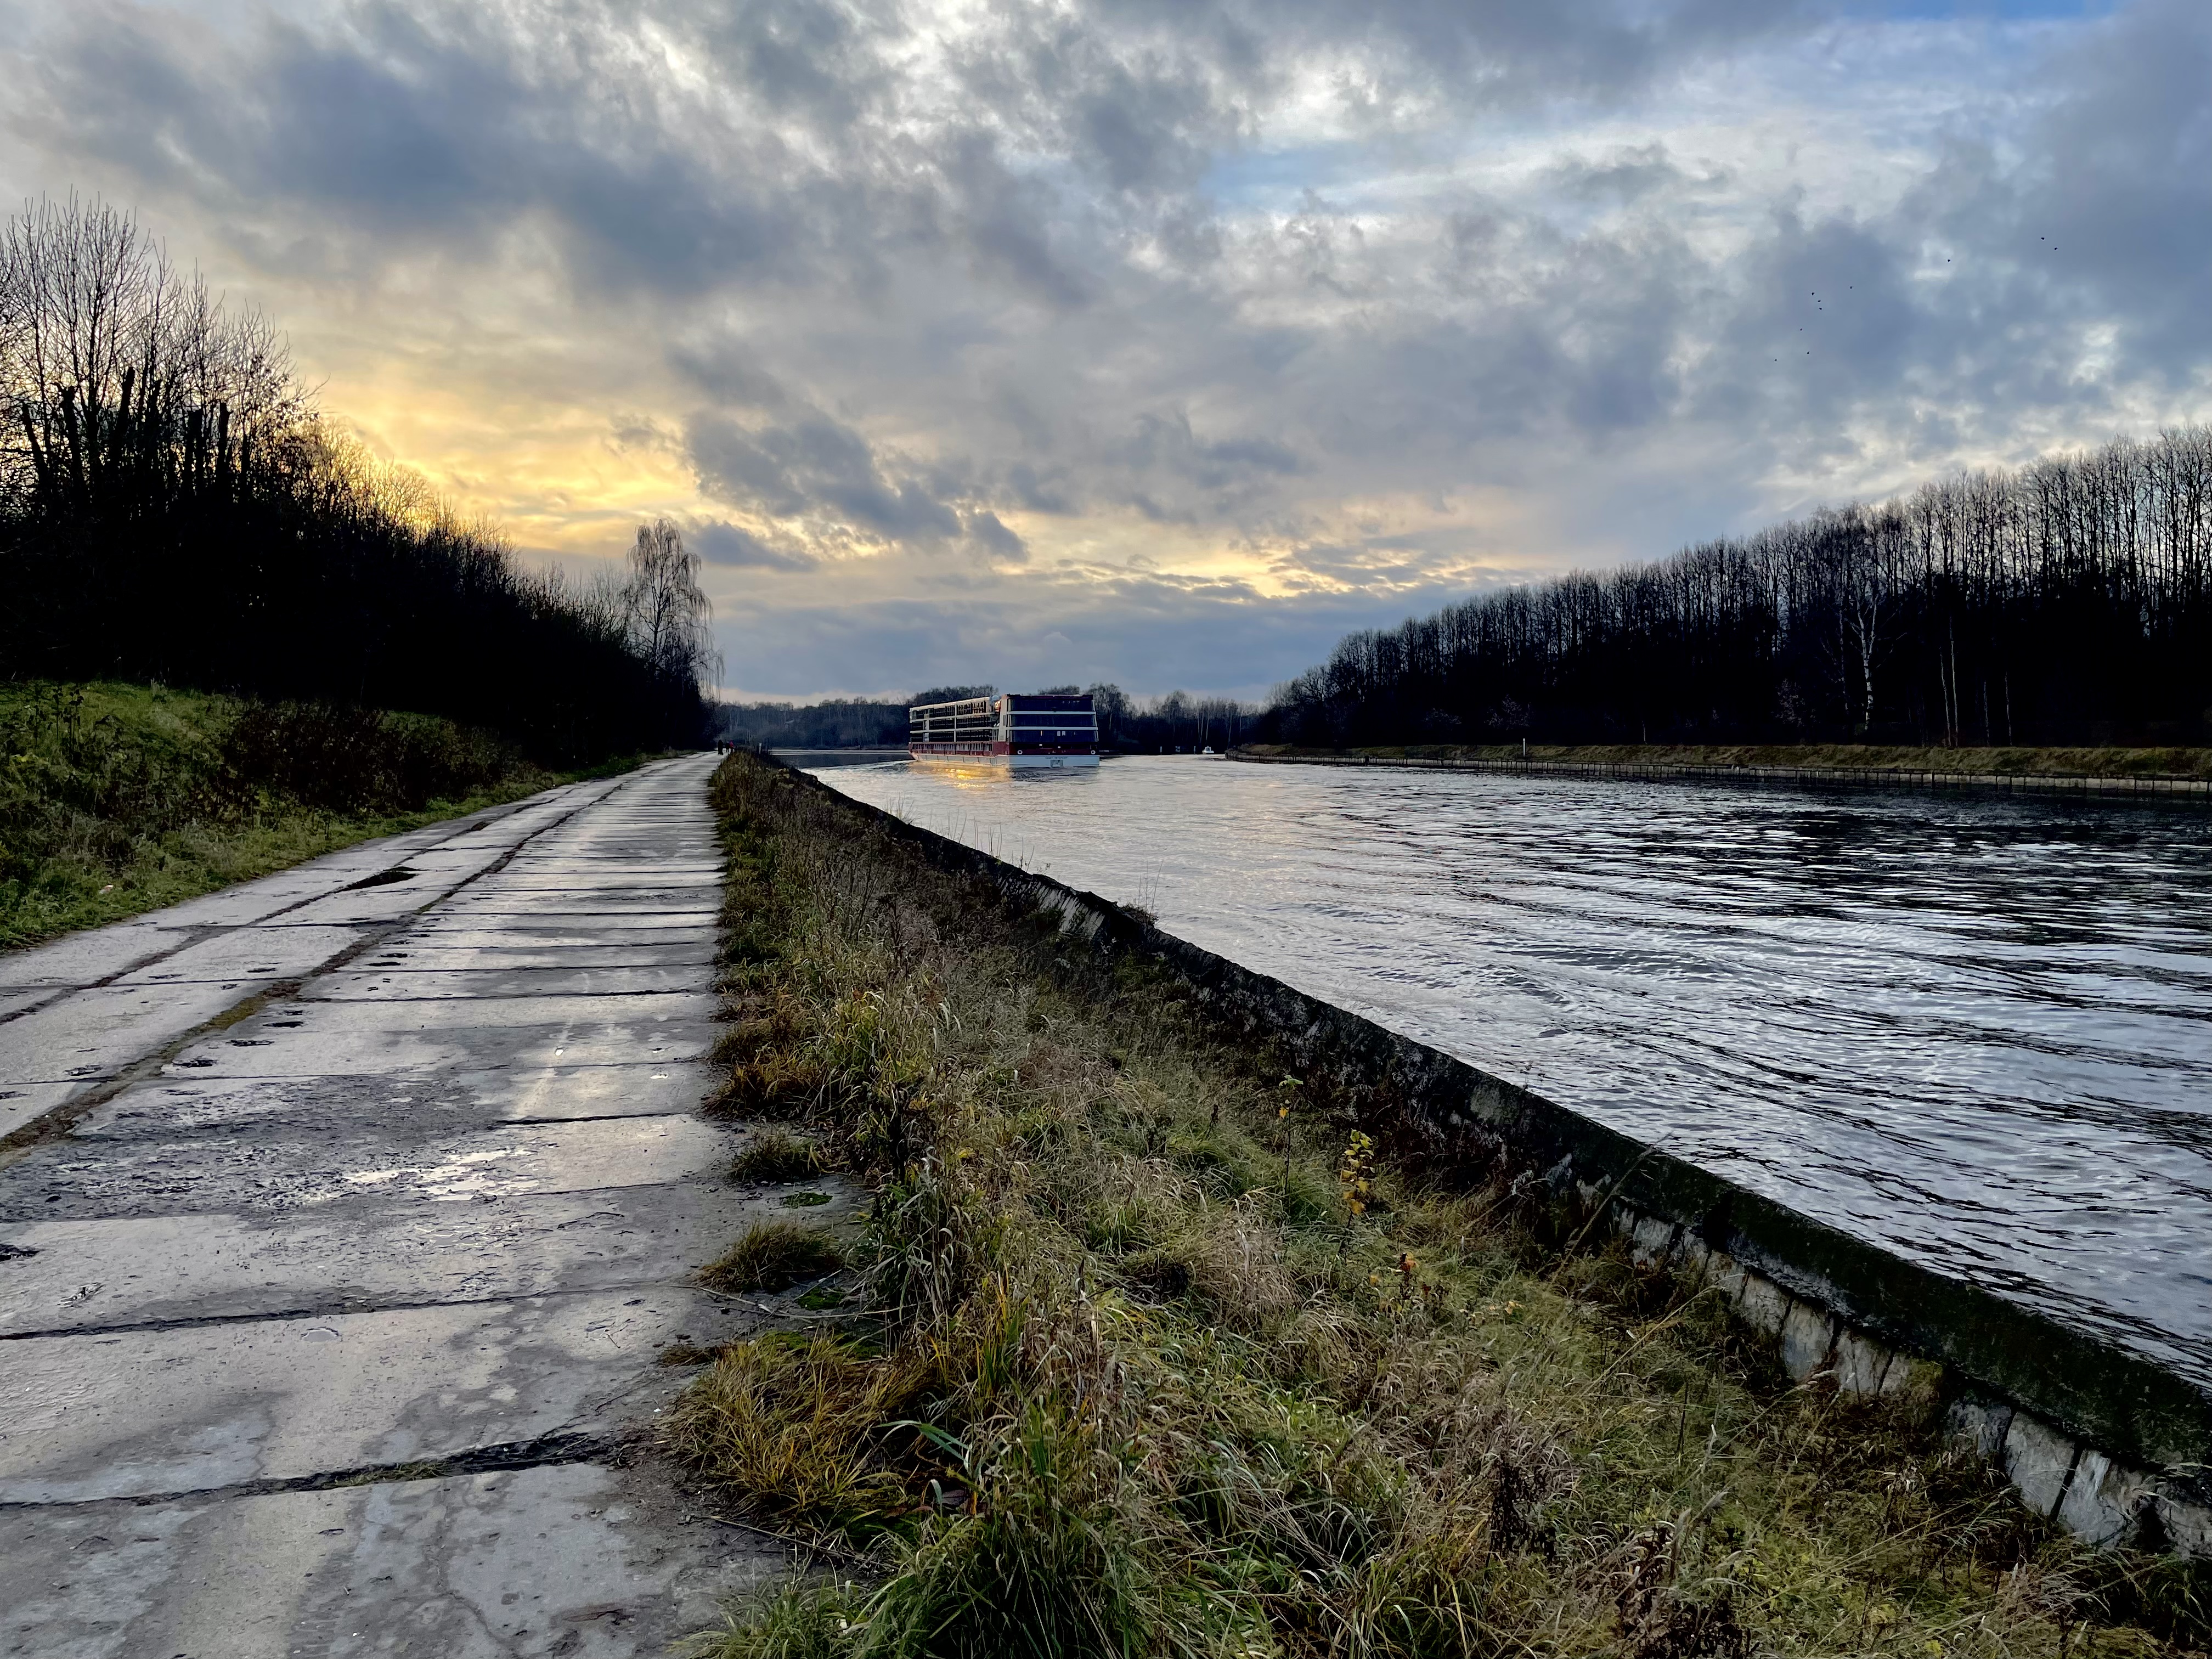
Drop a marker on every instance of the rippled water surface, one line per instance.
(1979, 1029)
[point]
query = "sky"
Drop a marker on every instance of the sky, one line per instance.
(1161, 341)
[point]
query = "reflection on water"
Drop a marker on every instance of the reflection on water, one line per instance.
(1979, 1029)
(814, 760)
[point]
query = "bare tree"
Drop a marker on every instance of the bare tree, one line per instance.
(668, 616)
(120, 371)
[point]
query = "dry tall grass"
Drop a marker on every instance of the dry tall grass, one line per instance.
(1157, 1366)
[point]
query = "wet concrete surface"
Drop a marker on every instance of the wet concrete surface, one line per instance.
(344, 1216)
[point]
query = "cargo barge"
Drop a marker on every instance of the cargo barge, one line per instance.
(1007, 730)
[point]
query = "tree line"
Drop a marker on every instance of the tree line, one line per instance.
(2063, 602)
(173, 509)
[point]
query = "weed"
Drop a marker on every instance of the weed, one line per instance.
(801, 1429)
(774, 1257)
(773, 1156)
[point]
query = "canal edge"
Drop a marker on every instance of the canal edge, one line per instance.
(2098, 1439)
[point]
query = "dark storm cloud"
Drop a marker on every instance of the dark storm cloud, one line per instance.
(815, 467)
(719, 542)
(916, 280)
(986, 530)
(442, 125)
(442, 119)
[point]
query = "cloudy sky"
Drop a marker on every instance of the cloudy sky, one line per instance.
(1161, 341)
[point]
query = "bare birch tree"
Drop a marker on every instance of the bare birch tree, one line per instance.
(668, 616)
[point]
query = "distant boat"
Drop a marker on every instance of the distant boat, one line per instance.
(1009, 731)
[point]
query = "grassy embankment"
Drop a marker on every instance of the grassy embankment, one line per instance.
(1141, 1351)
(2178, 763)
(116, 800)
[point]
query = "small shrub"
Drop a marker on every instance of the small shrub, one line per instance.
(774, 1257)
(809, 1619)
(1046, 1566)
(773, 1156)
(779, 1086)
(802, 1430)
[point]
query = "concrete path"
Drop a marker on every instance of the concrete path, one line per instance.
(342, 1217)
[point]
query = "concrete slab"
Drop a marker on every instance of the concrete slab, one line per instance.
(417, 955)
(582, 912)
(370, 1050)
(318, 1019)
(1762, 1305)
(1979, 1425)
(267, 1169)
(1860, 1365)
(597, 876)
(95, 1034)
(16, 1001)
(442, 1202)
(248, 953)
(151, 1413)
(109, 1274)
(441, 1098)
(2039, 1459)
(354, 906)
(406, 983)
(2104, 1501)
(522, 932)
(1806, 1336)
(253, 902)
(25, 1103)
(577, 1560)
(88, 958)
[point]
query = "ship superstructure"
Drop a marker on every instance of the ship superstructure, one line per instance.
(1006, 730)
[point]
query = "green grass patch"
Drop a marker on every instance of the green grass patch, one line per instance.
(1147, 1354)
(116, 800)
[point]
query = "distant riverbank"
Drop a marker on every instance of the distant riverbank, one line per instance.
(2172, 770)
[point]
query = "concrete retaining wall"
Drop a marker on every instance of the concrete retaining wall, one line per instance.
(2009, 783)
(2111, 1445)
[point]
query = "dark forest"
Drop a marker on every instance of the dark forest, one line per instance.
(172, 510)
(2065, 602)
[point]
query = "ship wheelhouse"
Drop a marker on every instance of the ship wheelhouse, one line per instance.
(1058, 731)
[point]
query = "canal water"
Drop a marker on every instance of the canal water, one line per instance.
(1979, 1029)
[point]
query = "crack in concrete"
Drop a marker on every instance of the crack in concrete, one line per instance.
(490, 996)
(561, 1446)
(345, 1307)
